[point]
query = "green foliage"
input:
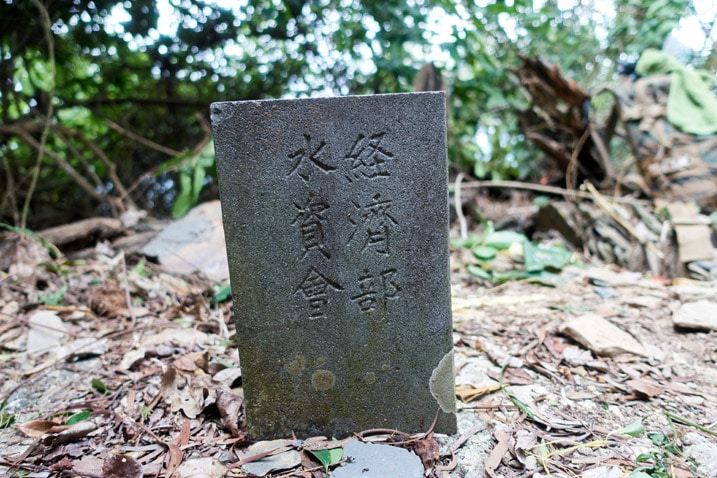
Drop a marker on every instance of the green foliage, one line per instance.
(100, 386)
(634, 429)
(328, 457)
(53, 298)
(655, 463)
(222, 293)
(130, 96)
(78, 417)
(191, 180)
(538, 262)
(6, 419)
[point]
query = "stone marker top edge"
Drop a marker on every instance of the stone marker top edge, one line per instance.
(332, 98)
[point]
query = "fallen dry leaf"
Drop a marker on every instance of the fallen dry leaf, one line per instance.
(229, 406)
(73, 432)
(644, 387)
(108, 300)
(428, 450)
(467, 393)
(37, 428)
(498, 452)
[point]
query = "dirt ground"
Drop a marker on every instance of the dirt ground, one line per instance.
(112, 367)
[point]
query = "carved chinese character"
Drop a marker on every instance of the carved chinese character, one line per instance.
(368, 157)
(371, 290)
(390, 286)
(315, 288)
(311, 221)
(366, 299)
(373, 225)
(310, 156)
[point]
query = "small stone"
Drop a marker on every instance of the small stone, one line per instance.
(696, 315)
(371, 460)
(601, 336)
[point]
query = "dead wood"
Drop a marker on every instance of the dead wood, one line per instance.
(92, 229)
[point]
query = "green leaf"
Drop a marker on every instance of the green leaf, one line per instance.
(658, 439)
(513, 275)
(541, 201)
(78, 417)
(184, 201)
(504, 239)
(484, 253)
(468, 242)
(478, 271)
(6, 419)
(545, 278)
(52, 297)
(219, 360)
(540, 258)
(638, 474)
(634, 429)
(328, 457)
(140, 268)
(647, 456)
(521, 406)
(222, 292)
(99, 385)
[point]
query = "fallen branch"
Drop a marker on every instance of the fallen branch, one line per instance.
(546, 189)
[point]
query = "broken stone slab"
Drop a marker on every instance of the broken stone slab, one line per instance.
(336, 222)
(601, 336)
(47, 332)
(372, 460)
(194, 243)
(701, 314)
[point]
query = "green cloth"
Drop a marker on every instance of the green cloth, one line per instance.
(691, 105)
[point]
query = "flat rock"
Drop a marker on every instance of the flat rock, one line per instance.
(284, 458)
(371, 460)
(691, 291)
(701, 314)
(194, 243)
(601, 337)
(47, 331)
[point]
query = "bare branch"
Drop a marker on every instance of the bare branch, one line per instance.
(140, 139)
(47, 27)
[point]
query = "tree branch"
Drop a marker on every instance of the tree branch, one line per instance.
(181, 102)
(67, 167)
(140, 139)
(47, 27)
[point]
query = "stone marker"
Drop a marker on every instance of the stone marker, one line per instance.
(336, 221)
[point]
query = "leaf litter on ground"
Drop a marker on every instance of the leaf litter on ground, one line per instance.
(167, 384)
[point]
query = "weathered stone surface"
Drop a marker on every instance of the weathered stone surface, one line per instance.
(371, 460)
(336, 220)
